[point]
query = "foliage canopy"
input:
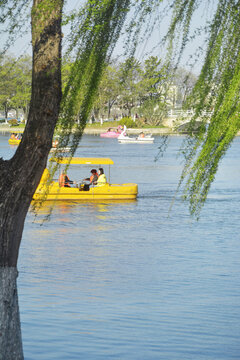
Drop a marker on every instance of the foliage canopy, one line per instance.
(94, 31)
(217, 91)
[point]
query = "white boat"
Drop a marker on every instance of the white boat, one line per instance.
(55, 147)
(142, 138)
(60, 150)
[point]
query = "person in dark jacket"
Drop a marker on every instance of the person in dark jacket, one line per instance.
(93, 178)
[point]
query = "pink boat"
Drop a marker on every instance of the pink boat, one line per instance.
(112, 132)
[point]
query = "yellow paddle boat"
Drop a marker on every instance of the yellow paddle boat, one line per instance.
(82, 191)
(15, 138)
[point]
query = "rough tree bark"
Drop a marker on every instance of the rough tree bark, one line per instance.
(10, 327)
(21, 174)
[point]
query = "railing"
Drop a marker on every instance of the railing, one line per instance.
(173, 113)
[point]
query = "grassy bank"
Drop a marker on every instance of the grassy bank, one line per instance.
(109, 124)
(97, 128)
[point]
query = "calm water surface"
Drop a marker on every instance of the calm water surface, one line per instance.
(129, 280)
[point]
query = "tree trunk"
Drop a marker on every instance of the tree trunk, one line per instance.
(109, 109)
(25, 112)
(21, 174)
(10, 329)
(6, 111)
(17, 112)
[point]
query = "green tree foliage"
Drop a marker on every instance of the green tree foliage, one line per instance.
(7, 83)
(15, 83)
(128, 122)
(14, 20)
(217, 90)
(22, 95)
(154, 76)
(155, 88)
(185, 81)
(108, 92)
(136, 87)
(131, 84)
(129, 80)
(95, 29)
(153, 111)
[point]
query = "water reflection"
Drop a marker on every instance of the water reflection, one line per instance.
(101, 210)
(10, 327)
(66, 206)
(89, 220)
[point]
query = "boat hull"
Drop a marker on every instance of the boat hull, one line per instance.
(128, 140)
(14, 142)
(60, 150)
(105, 192)
(112, 132)
(110, 135)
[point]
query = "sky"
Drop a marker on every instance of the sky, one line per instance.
(146, 47)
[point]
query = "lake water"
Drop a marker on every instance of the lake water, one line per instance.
(129, 280)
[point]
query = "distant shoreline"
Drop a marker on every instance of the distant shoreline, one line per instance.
(95, 131)
(153, 131)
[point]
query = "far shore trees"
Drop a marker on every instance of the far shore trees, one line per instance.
(149, 94)
(15, 84)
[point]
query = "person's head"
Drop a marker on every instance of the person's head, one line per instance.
(93, 171)
(101, 171)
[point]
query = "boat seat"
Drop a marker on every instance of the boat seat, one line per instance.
(83, 187)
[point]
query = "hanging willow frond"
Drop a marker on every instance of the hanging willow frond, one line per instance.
(217, 92)
(99, 25)
(14, 20)
(95, 29)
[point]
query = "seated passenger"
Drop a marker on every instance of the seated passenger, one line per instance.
(13, 136)
(64, 180)
(102, 180)
(55, 143)
(93, 178)
(120, 129)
